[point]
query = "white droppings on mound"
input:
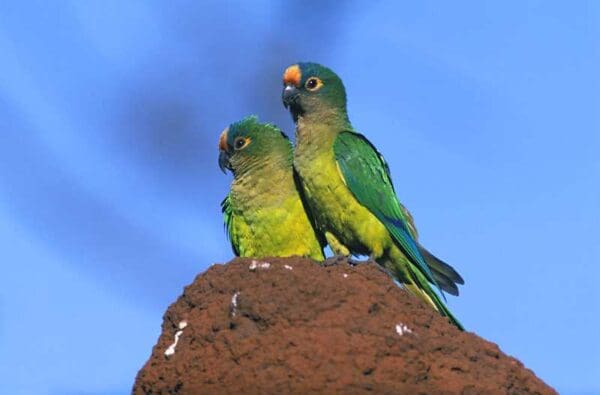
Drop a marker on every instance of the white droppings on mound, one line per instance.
(258, 265)
(171, 349)
(288, 267)
(401, 329)
(345, 275)
(234, 303)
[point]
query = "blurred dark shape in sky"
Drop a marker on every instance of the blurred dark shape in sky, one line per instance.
(163, 118)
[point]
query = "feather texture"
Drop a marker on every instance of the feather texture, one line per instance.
(366, 174)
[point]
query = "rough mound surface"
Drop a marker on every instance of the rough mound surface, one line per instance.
(290, 326)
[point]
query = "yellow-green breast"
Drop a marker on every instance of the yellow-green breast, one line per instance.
(336, 210)
(268, 218)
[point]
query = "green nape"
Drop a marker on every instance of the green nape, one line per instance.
(348, 186)
(264, 212)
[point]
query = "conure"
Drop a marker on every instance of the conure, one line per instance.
(348, 187)
(264, 213)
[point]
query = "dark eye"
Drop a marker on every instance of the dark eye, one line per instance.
(240, 142)
(313, 83)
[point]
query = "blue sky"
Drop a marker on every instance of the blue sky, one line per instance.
(488, 115)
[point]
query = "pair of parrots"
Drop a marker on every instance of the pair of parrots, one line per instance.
(333, 188)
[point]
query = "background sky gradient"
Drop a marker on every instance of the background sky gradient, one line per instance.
(110, 112)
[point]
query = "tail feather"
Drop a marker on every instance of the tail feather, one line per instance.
(445, 283)
(440, 266)
(446, 276)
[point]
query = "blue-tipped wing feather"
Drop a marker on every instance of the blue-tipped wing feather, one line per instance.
(367, 176)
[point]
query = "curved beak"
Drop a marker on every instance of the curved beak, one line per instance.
(289, 95)
(224, 163)
(223, 154)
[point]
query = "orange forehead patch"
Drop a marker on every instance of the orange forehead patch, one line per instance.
(292, 75)
(223, 140)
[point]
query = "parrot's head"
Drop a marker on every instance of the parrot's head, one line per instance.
(248, 143)
(309, 88)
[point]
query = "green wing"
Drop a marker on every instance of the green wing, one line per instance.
(227, 217)
(367, 176)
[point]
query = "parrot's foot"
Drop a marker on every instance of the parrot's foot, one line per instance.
(369, 261)
(337, 259)
(355, 262)
(334, 260)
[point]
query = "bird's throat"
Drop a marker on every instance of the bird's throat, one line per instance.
(317, 131)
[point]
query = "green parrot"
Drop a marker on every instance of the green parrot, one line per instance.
(348, 187)
(264, 212)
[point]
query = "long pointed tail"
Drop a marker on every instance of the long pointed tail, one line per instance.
(416, 283)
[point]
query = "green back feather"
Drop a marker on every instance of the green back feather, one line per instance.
(367, 176)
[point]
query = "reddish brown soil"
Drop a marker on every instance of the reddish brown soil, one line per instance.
(299, 328)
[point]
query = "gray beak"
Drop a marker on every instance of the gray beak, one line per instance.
(224, 163)
(290, 92)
